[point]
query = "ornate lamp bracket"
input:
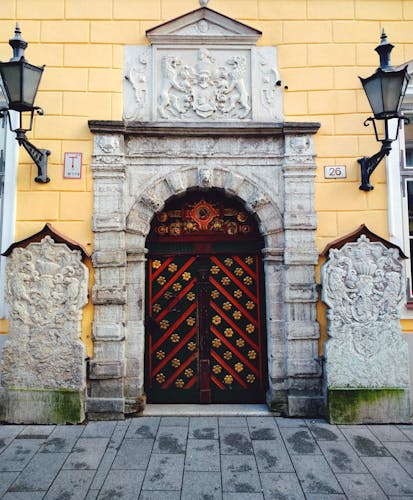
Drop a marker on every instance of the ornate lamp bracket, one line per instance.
(369, 164)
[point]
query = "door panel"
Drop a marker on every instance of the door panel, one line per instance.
(172, 330)
(235, 327)
(205, 329)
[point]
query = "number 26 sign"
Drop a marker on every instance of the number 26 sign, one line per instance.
(335, 172)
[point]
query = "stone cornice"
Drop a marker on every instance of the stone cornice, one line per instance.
(201, 129)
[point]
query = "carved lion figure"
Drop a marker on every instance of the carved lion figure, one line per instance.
(237, 86)
(170, 66)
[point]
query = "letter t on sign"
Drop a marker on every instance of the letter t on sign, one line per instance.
(72, 166)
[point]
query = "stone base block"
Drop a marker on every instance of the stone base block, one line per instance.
(105, 408)
(277, 401)
(368, 405)
(306, 406)
(41, 406)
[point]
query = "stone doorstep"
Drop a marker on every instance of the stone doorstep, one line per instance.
(194, 410)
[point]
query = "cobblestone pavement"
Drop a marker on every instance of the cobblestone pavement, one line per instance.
(229, 458)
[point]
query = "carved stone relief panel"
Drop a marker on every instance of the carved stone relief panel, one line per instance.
(363, 285)
(215, 84)
(47, 287)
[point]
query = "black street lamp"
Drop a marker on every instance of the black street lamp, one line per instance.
(20, 81)
(385, 91)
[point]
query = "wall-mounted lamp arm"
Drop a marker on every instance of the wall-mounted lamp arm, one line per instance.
(369, 164)
(39, 156)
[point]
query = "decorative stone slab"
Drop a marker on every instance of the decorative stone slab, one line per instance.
(202, 67)
(367, 370)
(43, 366)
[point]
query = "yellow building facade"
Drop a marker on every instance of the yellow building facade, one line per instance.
(321, 48)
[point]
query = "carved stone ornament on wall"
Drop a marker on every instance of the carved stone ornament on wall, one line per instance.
(363, 286)
(204, 84)
(195, 70)
(46, 290)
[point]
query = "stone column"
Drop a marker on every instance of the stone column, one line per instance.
(302, 331)
(107, 368)
(44, 365)
(277, 352)
(367, 365)
(135, 336)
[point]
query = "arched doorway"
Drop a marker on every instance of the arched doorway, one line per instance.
(205, 330)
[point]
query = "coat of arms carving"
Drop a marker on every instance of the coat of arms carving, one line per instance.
(209, 89)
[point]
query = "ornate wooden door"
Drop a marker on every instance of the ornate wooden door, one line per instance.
(205, 330)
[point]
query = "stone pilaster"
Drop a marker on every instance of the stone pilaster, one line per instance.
(107, 368)
(300, 297)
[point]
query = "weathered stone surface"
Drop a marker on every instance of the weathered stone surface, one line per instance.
(363, 285)
(46, 290)
(43, 366)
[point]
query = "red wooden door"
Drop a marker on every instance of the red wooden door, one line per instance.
(205, 329)
(205, 335)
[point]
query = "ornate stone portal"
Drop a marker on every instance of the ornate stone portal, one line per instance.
(210, 117)
(43, 366)
(367, 370)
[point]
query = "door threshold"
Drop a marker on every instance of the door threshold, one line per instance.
(197, 410)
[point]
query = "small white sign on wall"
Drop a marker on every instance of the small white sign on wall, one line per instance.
(72, 166)
(335, 172)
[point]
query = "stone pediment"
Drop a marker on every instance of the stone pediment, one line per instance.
(203, 26)
(202, 67)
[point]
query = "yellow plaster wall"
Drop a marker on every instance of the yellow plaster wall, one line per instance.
(323, 45)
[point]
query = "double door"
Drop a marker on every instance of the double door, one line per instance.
(204, 328)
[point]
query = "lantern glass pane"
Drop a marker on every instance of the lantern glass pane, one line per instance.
(31, 79)
(392, 92)
(11, 76)
(372, 88)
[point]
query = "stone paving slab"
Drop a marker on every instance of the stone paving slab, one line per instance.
(62, 439)
(299, 441)
(86, 454)
(171, 440)
(315, 475)
(240, 474)
(202, 455)
(252, 457)
(364, 441)
(125, 484)
(18, 454)
(40, 472)
(235, 441)
(281, 485)
(203, 485)
(164, 472)
(341, 457)
(203, 428)
(272, 456)
(392, 478)
(361, 486)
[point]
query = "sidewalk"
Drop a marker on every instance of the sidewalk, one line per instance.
(230, 458)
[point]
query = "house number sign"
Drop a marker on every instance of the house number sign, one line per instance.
(335, 172)
(72, 166)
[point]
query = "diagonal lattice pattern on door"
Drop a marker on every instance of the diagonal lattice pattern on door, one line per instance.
(232, 332)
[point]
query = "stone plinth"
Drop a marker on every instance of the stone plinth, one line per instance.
(367, 375)
(43, 366)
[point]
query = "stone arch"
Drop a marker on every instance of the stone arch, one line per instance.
(253, 195)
